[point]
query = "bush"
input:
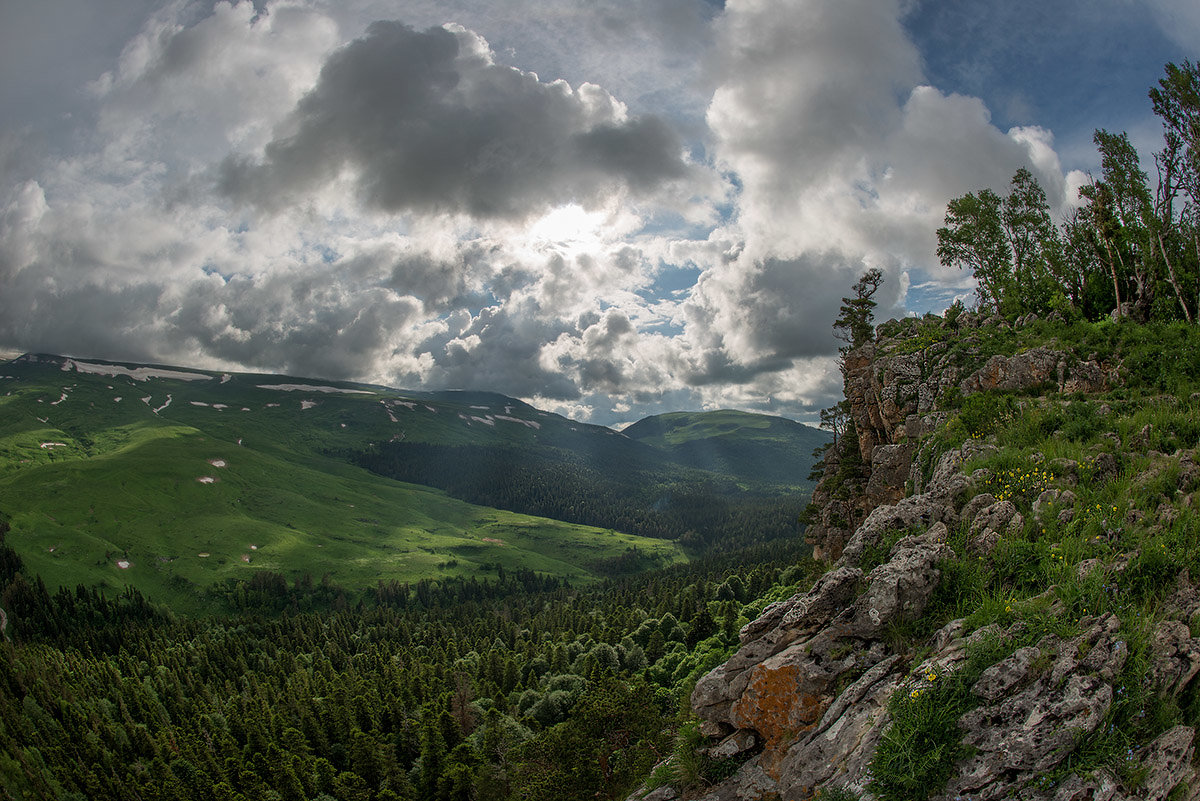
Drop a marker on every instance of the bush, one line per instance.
(981, 414)
(917, 752)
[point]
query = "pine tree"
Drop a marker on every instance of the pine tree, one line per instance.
(855, 322)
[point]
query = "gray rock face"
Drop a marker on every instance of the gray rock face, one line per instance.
(843, 742)
(737, 743)
(813, 675)
(1168, 762)
(783, 682)
(1035, 703)
(889, 470)
(1084, 377)
(664, 793)
(990, 524)
(774, 632)
(1176, 656)
(750, 783)
(1169, 759)
(1023, 371)
(899, 589)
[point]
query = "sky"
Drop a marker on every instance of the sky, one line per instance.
(608, 208)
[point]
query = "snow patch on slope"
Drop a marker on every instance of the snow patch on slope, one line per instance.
(137, 373)
(313, 388)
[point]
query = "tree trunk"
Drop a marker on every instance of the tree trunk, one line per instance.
(1171, 275)
(1112, 269)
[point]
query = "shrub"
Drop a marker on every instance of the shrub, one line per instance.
(917, 753)
(981, 414)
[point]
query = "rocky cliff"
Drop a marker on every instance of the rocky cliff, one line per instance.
(1005, 613)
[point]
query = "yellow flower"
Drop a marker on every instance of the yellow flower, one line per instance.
(913, 695)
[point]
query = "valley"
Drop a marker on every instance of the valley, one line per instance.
(182, 483)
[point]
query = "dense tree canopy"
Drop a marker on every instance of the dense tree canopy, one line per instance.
(1132, 248)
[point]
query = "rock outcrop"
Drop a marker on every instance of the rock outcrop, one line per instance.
(807, 691)
(813, 674)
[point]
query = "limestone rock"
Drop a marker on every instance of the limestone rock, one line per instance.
(1045, 500)
(1105, 467)
(739, 742)
(1185, 601)
(1029, 720)
(812, 676)
(907, 514)
(664, 793)
(842, 744)
(1085, 377)
(1023, 371)
(1169, 759)
(1176, 656)
(976, 505)
(990, 524)
(889, 471)
(750, 783)
(784, 678)
(780, 625)
(938, 503)
(899, 589)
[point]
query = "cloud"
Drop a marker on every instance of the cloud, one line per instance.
(222, 80)
(427, 121)
(1179, 20)
(846, 161)
(281, 186)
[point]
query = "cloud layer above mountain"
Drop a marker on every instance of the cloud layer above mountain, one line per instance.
(607, 208)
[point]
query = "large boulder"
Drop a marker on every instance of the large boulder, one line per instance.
(1021, 372)
(1035, 704)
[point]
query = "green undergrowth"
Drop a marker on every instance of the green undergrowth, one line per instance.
(917, 752)
(691, 769)
(1108, 521)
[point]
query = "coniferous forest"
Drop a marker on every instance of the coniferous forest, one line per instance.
(515, 688)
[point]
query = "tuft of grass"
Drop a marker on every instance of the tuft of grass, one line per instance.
(918, 751)
(690, 769)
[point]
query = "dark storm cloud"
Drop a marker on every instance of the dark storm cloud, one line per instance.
(299, 324)
(429, 123)
(499, 349)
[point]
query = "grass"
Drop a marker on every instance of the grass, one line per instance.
(1114, 545)
(125, 487)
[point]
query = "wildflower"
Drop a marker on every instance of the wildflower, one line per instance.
(914, 694)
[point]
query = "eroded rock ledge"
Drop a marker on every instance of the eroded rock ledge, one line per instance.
(808, 688)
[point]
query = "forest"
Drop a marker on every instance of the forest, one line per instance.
(701, 511)
(460, 690)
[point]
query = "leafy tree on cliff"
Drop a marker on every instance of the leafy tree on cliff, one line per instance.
(1010, 244)
(974, 238)
(1033, 239)
(1176, 101)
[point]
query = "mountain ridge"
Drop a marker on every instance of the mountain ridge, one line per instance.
(262, 449)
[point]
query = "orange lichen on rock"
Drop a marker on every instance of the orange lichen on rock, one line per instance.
(779, 702)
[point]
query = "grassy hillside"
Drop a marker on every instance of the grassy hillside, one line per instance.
(753, 447)
(172, 480)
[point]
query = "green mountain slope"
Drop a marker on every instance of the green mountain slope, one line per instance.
(172, 480)
(753, 447)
